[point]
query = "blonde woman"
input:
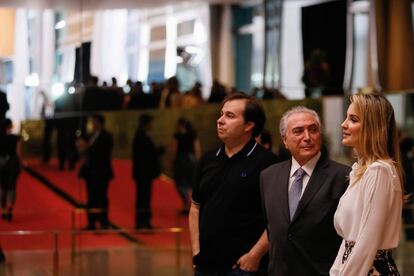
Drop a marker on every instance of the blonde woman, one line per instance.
(368, 217)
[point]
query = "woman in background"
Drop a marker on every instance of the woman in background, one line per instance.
(186, 151)
(368, 217)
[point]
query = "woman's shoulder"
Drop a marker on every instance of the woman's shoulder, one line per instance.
(381, 168)
(386, 164)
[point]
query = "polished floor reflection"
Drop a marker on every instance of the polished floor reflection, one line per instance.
(99, 262)
(133, 260)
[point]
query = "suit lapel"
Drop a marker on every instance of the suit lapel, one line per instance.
(283, 192)
(315, 183)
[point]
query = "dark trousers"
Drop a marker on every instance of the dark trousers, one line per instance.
(143, 202)
(408, 218)
(97, 199)
(47, 136)
(184, 170)
(66, 139)
(9, 174)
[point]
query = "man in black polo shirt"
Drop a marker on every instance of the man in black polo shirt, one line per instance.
(227, 227)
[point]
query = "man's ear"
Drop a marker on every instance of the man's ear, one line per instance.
(285, 142)
(249, 126)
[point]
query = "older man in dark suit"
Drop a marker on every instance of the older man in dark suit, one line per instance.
(300, 197)
(97, 172)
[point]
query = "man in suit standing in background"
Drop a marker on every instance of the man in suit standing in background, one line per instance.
(97, 172)
(146, 167)
(300, 197)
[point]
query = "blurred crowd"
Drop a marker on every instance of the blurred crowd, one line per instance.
(99, 96)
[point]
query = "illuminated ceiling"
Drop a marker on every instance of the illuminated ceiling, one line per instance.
(103, 4)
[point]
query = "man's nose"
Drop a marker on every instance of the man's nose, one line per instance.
(306, 134)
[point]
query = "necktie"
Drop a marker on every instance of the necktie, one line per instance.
(295, 192)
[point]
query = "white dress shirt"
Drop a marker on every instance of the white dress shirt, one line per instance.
(308, 168)
(94, 136)
(369, 214)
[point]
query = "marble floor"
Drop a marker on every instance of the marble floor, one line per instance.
(99, 262)
(132, 260)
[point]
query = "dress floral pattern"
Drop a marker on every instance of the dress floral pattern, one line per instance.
(384, 264)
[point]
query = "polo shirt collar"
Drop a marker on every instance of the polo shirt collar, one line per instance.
(247, 150)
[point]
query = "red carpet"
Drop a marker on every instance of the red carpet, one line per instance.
(39, 208)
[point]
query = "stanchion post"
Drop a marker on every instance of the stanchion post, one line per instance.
(177, 220)
(178, 250)
(73, 235)
(55, 254)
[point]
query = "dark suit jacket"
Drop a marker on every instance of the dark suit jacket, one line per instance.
(308, 244)
(145, 157)
(98, 158)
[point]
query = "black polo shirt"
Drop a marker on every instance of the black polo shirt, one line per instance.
(231, 219)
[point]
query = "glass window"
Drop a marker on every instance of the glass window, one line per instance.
(133, 65)
(132, 38)
(58, 64)
(412, 11)
(158, 33)
(359, 74)
(156, 66)
(6, 70)
(185, 28)
(257, 51)
(133, 34)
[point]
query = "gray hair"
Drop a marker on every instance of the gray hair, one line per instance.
(295, 110)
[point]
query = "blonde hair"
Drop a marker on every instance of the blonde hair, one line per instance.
(379, 133)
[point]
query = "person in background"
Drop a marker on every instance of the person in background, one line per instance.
(2, 256)
(265, 139)
(170, 95)
(66, 126)
(227, 227)
(146, 167)
(48, 127)
(300, 197)
(407, 161)
(316, 75)
(4, 105)
(10, 159)
(97, 172)
(193, 98)
(186, 150)
(368, 217)
(218, 92)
